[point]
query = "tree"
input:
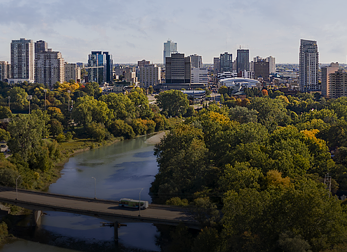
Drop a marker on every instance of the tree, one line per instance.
(173, 102)
(150, 90)
(5, 112)
(4, 135)
(243, 114)
(56, 127)
(141, 104)
(183, 166)
(305, 210)
(26, 134)
(96, 131)
(89, 110)
(19, 97)
(120, 104)
(121, 129)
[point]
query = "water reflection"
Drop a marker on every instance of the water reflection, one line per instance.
(121, 170)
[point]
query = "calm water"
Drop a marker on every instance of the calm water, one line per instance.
(120, 170)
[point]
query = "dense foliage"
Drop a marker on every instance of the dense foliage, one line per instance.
(261, 161)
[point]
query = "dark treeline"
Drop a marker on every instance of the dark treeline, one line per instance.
(252, 171)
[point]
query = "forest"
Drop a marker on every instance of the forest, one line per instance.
(252, 172)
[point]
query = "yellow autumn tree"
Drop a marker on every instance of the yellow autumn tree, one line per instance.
(274, 178)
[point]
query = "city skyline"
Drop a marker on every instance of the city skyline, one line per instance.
(266, 28)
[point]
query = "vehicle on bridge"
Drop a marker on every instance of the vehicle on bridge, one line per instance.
(131, 203)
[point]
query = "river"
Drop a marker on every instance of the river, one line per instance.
(120, 170)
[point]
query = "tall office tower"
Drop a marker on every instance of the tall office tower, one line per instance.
(100, 66)
(226, 62)
(169, 48)
(22, 59)
(308, 66)
(143, 63)
(149, 75)
(326, 71)
(72, 72)
(272, 64)
(178, 69)
(242, 60)
(5, 70)
(196, 61)
(199, 75)
(216, 65)
(41, 46)
(49, 68)
(338, 84)
(108, 68)
(261, 69)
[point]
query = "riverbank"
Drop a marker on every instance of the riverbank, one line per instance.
(156, 138)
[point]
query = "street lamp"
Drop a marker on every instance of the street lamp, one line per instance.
(16, 187)
(29, 98)
(68, 103)
(45, 90)
(139, 202)
(94, 187)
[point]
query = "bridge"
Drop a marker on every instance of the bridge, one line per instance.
(104, 209)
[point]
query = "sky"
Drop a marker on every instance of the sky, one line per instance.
(133, 30)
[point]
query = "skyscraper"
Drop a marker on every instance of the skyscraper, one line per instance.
(242, 60)
(196, 61)
(49, 68)
(169, 48)
(261, 69)
(216, 65)
(326, 71)
(22, 59)
(272, 64)
(100, 66)
(5, 70)
(226, 62)
(178, 69)
(308, 66)
(338, 84)
(72, 72)
(41, 46)
(149, 75)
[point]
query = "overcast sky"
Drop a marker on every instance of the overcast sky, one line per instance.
(133, 30)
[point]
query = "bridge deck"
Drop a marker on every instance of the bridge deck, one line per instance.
(104, 209)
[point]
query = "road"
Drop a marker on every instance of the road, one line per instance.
(105, 209)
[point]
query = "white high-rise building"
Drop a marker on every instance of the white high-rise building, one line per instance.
(199, 75)
(308, 66)
(169, 48)
(272, 64)
(149, 75)
(22, 59)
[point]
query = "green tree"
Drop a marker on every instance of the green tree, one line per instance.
(121, 129)
(26, 134)
(18, 97)
(140, 101)
(96, 131)
(5, 112)
(56, 127)
(89, 110)
(173, 103)
(120, 104)
(4, 135)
